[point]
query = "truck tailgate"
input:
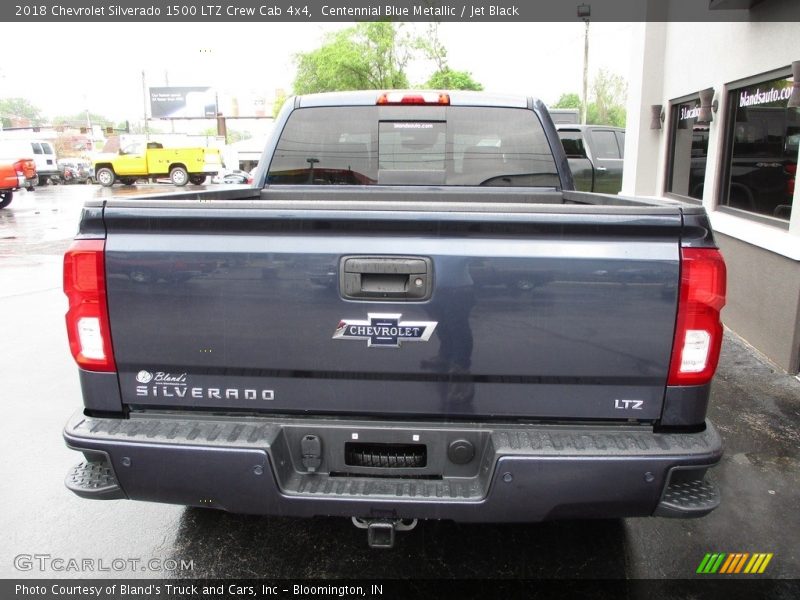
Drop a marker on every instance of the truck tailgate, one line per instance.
(551, 314)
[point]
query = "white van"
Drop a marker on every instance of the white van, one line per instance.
(41, 151)
(44, 155)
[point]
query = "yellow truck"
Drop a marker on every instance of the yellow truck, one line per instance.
(152, 160)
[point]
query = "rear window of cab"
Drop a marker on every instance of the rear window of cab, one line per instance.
(401, 145)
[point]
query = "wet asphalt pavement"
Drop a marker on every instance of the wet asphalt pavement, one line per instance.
(756, 409)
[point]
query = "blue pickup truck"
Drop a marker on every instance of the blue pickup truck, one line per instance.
(489, 345)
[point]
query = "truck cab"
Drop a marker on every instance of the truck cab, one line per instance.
(132, 159)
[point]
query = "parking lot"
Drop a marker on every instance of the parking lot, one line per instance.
(756, 409)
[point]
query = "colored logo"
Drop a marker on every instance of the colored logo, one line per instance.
(733, 563)
(384, 331)
(144, 377)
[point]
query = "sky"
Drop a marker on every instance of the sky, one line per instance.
(99, 66)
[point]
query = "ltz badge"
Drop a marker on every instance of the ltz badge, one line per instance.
(385, 330)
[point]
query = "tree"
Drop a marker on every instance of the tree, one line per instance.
(610, 93)
(233, 135)
(238, 136)
(373, 56)
(138, 128)
(448, 79)
(607, 102)
(68, 145)
(568, 101)
(19, 112)
(79, 120)
(277, 105)
(367, 56)
(432, 47)
(443, 78)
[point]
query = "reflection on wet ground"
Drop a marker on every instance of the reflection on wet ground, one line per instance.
(44, 221)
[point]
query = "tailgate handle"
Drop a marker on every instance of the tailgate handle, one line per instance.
(390, 278)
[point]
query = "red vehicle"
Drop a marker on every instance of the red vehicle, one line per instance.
(27, 167)
(21, 156)
(11, 178)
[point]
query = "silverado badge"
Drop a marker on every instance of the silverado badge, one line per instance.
(384, 330)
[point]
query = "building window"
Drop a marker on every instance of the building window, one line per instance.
(688, 150)
(762, 148)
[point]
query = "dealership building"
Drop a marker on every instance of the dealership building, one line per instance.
(712, 121)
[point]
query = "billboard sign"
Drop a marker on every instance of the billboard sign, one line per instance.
(177, 102)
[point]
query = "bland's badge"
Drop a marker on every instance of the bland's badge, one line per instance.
(384, 331)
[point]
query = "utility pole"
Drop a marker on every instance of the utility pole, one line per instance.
(89, 122)
(144, 106)
(166, 83)
(584, 12)
(222, 126)
(2, 76)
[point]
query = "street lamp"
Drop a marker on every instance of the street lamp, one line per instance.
(584, 12)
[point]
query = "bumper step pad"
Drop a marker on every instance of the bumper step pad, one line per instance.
(688, 499)
(94, 480)
(520, 472)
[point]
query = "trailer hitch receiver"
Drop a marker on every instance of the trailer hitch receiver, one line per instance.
(380, 532)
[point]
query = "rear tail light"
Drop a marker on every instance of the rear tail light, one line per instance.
(429, 98)
(27, 166)
(698, 331)
(87, 318)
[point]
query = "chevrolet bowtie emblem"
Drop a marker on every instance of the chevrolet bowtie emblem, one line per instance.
(384, 330)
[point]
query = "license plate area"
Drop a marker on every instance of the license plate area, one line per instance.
(401, 450)
(385, 456)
